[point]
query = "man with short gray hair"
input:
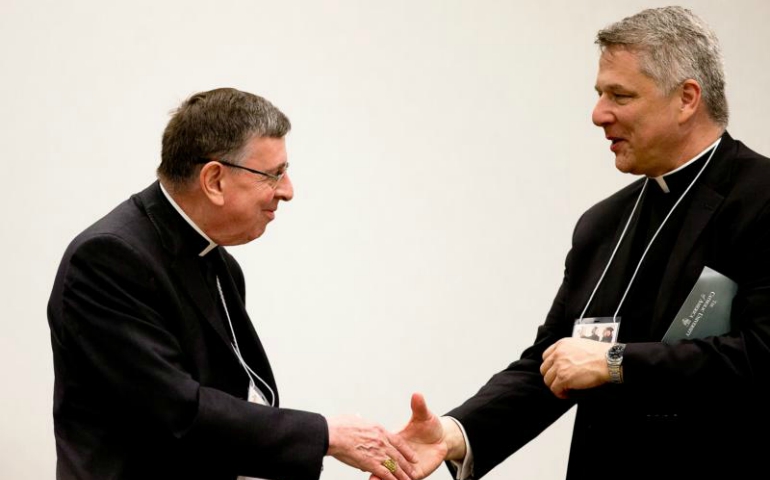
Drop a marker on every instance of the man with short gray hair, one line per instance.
(660, 400)
(159, 372)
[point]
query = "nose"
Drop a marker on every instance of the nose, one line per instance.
(602, 114)
(285, 190)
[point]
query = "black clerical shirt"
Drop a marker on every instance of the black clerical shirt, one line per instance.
(637, 309)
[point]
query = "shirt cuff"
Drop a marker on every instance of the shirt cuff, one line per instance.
(464, 468)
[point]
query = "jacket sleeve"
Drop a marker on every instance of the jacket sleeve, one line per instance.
(117, 330)
(515, 405)
(730, 365)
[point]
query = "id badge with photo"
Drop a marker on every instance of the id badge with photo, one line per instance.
(600, 329)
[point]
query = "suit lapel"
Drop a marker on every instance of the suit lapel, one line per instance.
(687, 256)
(608, 295)
(686, 259)
(250, 345)
(188, 273)
(183, 244)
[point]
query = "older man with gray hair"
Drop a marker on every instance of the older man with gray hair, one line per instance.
(159, 372)
(664, 401)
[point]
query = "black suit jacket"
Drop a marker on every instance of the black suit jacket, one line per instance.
(691, 410)
(147, 384)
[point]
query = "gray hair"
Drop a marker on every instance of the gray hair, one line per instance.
(674, 45)
(217, 123)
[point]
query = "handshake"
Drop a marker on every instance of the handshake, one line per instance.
(412, 453)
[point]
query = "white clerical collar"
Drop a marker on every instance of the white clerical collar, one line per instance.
(662, 182)
(211, 244)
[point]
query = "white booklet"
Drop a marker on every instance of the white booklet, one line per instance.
(706, 311)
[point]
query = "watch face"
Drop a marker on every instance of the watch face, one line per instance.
(615, 352)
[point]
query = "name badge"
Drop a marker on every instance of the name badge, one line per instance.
(255, 396)
(601, 329)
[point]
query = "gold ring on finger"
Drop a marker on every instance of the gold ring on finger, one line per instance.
(390, 464)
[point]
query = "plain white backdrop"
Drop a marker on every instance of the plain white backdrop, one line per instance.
(441, 153)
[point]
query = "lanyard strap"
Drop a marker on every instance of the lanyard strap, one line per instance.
(647, 249)
(617, 245)
(249, 372)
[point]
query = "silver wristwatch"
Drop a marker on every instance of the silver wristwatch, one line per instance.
(615, 362)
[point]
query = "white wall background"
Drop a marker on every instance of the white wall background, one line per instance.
(441, 154)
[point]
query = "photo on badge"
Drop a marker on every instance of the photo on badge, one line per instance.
(601, 329)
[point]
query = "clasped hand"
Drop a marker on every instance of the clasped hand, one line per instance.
(574, 364)
(427, 440)
(433, 439)
(366, 445)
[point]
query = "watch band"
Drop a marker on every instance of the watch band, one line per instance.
(615, 362)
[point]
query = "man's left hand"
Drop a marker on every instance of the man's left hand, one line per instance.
(575, 364)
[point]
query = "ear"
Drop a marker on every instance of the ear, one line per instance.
(689, 98)
(211, 180)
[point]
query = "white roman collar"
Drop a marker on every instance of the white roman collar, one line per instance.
(662, 182)
(211, 244)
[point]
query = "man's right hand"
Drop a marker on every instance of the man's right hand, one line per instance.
(366, 445)
(433, 439)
